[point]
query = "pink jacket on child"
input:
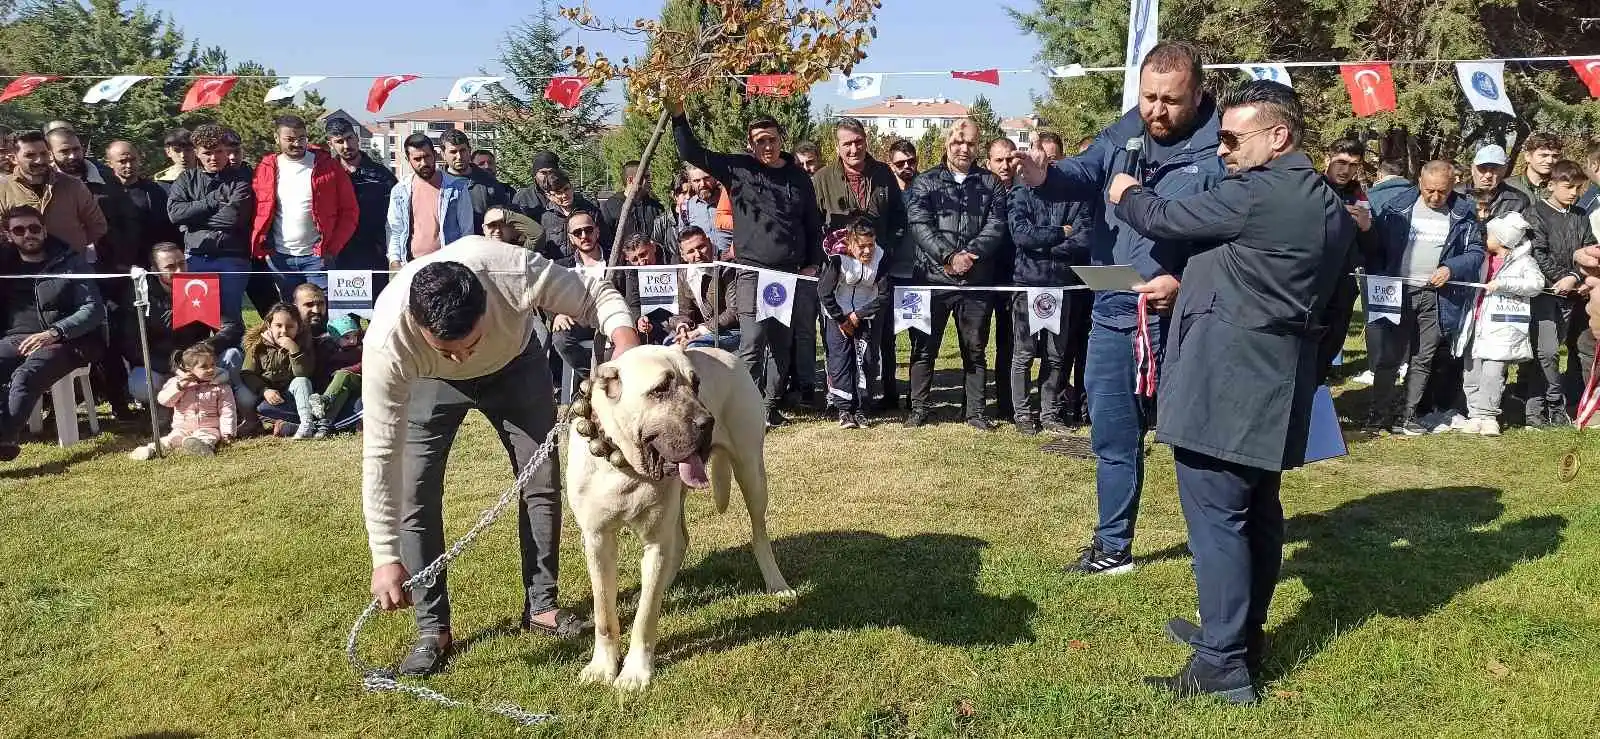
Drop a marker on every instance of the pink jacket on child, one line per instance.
(202, 406)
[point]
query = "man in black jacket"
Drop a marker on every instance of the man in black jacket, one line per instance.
(1270, 245)
(530, 200)
(858, 183)
(561, 202)
(776, 226)
(1558, 229)
(213, 205)
(372, 182)
(646, 217)
(486, 191)
(958, 222)
(148, 199)
(52, 325)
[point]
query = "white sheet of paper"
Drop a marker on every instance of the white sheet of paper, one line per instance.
(1109, 277)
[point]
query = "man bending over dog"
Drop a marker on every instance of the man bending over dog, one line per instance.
(451, 333)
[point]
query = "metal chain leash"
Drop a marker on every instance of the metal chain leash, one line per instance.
(384, 680)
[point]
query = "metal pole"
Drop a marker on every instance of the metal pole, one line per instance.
(141, 306)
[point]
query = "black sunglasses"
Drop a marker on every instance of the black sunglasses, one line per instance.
(28, 230)
(582, 230)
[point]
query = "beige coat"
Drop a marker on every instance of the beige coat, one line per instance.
(70, 211)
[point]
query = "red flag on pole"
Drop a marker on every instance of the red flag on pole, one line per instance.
(565, 91)
(986, 76)
(207, 92)
(196, 297)
(28, 83)
(771, 85)
(1588, 70)
(1371, 87)
(381, 87)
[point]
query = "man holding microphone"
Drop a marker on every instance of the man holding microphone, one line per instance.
(1270, 245)
(1169, 142)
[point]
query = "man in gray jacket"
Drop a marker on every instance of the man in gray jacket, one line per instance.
(1270, 245)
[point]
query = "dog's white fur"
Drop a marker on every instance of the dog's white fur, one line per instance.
(660, 392)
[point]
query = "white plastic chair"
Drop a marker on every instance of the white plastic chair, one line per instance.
(64, 402)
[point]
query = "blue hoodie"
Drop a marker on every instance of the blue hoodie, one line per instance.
(1192, 168)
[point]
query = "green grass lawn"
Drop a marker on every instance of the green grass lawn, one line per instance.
(1444, 586)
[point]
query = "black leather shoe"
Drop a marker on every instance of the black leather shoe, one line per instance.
(1198, 678)
(917, 417)
(981, 423)
(569, 625)
(1186, 632)
(427, 656)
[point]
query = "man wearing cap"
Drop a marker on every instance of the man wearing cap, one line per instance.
(1488, 185)
(530, 200)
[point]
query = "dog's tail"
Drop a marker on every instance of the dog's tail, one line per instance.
(721, 479)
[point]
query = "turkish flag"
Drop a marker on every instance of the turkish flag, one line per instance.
(196, 297)
(986, 76)
(1588, 69)
(207, 92)
(1371, 87)
(381, 87)
(565, 91)
(28, 83)
(771, 85)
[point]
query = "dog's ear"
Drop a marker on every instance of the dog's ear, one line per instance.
(609, 380)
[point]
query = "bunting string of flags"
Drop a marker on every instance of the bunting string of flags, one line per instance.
(1369, 83)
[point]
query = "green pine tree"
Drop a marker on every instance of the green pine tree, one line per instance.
(982, 112)
(527, 123)
(1432, 118)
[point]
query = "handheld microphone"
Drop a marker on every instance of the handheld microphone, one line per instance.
(1130, 165)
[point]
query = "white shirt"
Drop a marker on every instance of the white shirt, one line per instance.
(294, 232)
(1430, 229)
(395, 354)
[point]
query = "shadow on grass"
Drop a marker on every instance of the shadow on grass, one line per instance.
(925, 584)
(1402, 554)
(90, 447)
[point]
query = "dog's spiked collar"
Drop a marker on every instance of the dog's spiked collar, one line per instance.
(588, 426)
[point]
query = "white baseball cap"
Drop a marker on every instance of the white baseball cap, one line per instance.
(1491, 154)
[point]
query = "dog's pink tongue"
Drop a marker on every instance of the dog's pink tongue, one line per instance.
(693, 472)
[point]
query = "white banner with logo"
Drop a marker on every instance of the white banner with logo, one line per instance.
(1143, 17)
(1383, 299)
(775, 296)
(658, 290)
(913, 309)
(350, 291)
(1044, 310)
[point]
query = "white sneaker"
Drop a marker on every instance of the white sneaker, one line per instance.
(1365, 378)
(144, 452)
(1488, 427)
(1468, 426)
(1445, 422)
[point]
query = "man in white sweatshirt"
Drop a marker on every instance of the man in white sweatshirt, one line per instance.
(452, 332)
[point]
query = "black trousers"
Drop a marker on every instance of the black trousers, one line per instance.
(261, 288)
(1076, 323)
(27, 377)
(519, 403)
(1004, 349)
(1235, 522)
(756, 337)
(972, 312)
(888, 352)
(1050, 349)
(852, 365)
(1415, 342)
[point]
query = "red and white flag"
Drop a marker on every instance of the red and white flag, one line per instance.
(196, 297)
(771, 85)
(986, 76)
(1588, 70)
(565, 91)
(1371, 87)
(381, 87)
(207, 92)
(28, 83)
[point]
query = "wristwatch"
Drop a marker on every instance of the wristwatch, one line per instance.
(58, 333)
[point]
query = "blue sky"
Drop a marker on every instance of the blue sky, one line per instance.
(369, 39)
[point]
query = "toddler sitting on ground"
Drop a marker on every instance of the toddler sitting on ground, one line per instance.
(203, 410)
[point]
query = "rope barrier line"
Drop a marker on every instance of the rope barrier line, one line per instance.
(902, 73)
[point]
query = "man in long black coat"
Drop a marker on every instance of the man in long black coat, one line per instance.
(1272, 242)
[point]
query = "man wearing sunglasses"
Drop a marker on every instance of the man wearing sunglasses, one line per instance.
(1175, 126)
(52, 324)
(1269, 247)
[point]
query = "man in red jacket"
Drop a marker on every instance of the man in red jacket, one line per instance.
(305, 210)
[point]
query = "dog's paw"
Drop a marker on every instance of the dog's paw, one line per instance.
(635, 676)
(598, 671)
